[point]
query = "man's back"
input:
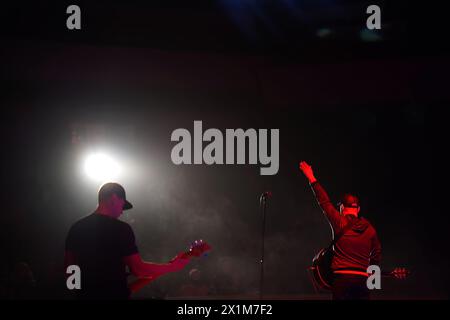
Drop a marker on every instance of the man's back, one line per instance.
(358, 247)
(99, 244)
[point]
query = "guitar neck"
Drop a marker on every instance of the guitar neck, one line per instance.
(197, 248)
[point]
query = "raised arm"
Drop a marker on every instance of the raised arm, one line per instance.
(321, 195)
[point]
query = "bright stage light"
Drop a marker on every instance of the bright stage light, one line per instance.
(102, 168)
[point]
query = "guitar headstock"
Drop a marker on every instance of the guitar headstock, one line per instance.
(400, 273)
(199, 247)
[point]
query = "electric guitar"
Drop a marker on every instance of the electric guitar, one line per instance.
(198, 248)
(322, 275)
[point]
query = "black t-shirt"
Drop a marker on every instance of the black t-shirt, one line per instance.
(99, 244)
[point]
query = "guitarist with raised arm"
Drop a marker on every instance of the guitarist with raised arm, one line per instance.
(357, 245)
(103, 246)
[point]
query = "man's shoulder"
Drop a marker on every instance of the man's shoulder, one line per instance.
(369, 224)
(81, 221)
(94, 218)
(123, 224)
(97, 223)
(119, 225)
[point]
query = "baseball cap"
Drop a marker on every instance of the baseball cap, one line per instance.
(110, 188)
(350, 201)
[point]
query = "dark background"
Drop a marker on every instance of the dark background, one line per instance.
(361, 112)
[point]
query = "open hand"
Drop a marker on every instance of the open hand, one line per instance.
(307, 171)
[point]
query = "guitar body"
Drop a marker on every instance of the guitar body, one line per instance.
(321, 269)
(322, 275)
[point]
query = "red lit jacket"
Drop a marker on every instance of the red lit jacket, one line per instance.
(359, 247)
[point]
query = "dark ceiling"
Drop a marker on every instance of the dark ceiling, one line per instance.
(299, 28)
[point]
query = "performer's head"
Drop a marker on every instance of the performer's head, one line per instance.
(349, 204)
(112, 200)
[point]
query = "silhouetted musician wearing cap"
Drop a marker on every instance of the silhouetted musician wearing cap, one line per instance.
(358, 248)
(102, 246)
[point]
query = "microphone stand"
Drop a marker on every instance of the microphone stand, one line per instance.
(263, 204)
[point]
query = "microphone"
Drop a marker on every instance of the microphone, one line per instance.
(263, 203)
(265, 195)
